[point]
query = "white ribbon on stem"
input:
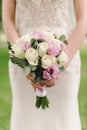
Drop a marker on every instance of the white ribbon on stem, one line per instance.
(41, 93)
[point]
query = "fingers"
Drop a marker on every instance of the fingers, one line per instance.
(36, 85)
(30, 77)
(43, 82)
(48, 83)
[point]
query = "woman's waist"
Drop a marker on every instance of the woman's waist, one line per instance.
(55, 30)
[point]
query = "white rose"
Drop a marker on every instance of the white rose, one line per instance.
(18, 51)
(17, 48)
(42, 48)
(24, 38)
(62, 58)
(48, 34)
(32, 56)
(58, 43)
(48, 60)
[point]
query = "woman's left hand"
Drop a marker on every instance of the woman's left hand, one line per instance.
(48, 83)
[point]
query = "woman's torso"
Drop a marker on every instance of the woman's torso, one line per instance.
(44, 14)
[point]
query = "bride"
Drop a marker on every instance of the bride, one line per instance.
(22, 16)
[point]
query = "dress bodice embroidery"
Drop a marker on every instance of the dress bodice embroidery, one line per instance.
(43, 14)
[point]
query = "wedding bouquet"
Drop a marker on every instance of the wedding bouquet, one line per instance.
(43, 54)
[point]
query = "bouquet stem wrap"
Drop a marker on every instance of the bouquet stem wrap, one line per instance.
(41, 98)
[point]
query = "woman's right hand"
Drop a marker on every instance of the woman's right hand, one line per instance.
(31, 78)
(47, 83)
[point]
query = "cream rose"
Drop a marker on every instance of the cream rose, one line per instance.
(32, 56)
(42, 48)
(62, 58)
(26, 38)
(18, 51)
(17, 46)
(48, 60)
(58, 43)
(48, 34)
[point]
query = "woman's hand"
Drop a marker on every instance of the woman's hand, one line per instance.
(47, 83)
(31, 78)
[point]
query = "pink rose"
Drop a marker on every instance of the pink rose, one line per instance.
(25, 45)
(64, 47)
(39, 35)
(53, 49)
(52, 72)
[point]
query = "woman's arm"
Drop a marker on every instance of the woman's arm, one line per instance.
(8, 16)
(80, 30)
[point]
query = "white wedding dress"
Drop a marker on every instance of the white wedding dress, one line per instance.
(63, 113)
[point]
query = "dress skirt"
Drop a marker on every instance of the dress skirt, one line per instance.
(63, 111)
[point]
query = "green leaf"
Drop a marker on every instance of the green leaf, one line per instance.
(62, 38)
(9, 45)
(40, 40)
(20, 62)
(47, 104)
(36, 79)
(66, 42)
(44, 102)
(39, 71)
(62, 68)
(34, 43)
(38, 101)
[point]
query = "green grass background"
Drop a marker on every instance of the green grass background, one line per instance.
(5, 92)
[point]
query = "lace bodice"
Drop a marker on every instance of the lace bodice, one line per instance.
(44, 14)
